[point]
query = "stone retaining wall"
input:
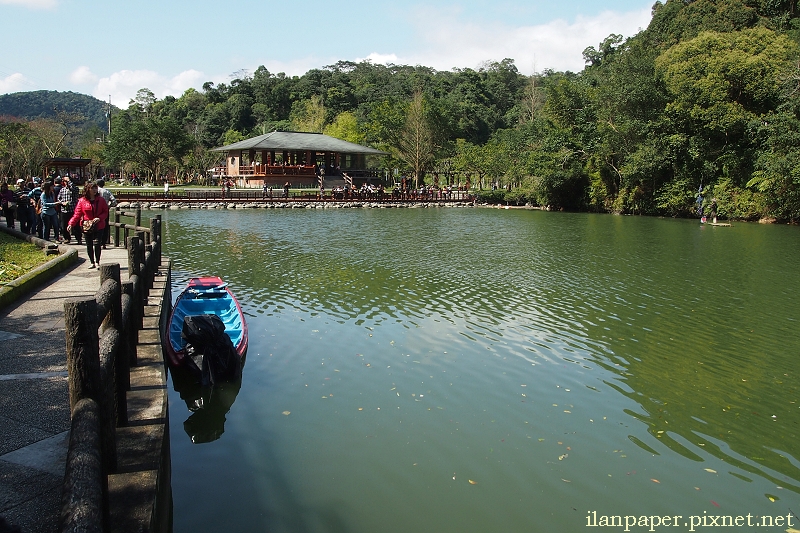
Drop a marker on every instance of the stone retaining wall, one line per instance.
(292, 205)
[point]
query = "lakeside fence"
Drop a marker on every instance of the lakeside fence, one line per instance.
(102, 333)
(308, 195)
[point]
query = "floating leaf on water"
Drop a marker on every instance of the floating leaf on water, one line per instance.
(562, 457)
(654, 480)
(360, 408)
(570, 412)
(286, 413)
(710, 470)
(473, 482)
(715, 504)
(566, 480)
(541, 440)
(772, 498)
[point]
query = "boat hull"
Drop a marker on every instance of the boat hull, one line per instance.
(211, 296)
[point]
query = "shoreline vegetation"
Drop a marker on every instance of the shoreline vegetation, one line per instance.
(481, 199)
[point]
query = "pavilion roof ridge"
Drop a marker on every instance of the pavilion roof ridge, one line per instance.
(299, 141)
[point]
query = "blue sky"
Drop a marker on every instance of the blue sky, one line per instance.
(113, 48)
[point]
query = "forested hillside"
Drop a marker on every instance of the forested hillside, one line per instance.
(50, 104)
(38, 125)
(705, 99)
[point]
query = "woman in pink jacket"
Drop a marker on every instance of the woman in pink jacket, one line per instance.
(92, 210)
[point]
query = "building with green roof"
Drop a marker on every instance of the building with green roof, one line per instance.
(302, 159)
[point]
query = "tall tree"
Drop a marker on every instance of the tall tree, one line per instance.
(142, 137)
(308, 115)
(719, 83)
(415, 144)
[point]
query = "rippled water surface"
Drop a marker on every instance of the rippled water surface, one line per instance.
(475, 370)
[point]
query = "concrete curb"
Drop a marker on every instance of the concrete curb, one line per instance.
(40, 275)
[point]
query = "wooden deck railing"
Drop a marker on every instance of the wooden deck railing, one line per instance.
(101, 338)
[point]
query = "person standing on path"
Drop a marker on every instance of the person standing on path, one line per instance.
(49, 205)
(8, 201)
(35, 194)
(24, 209)
(68, 196)
(91, 213)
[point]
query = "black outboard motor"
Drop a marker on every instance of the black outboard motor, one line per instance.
(210, 352)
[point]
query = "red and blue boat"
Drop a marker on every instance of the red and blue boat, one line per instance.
(193, 332)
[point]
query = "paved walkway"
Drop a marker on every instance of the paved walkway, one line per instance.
(34, 400)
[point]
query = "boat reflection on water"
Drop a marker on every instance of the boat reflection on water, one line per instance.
(208, 405)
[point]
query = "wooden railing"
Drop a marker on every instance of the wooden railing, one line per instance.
(309, 194)
(101, 340)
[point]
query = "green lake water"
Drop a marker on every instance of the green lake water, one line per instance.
(480, 370)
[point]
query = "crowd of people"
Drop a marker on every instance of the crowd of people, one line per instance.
(59, 210)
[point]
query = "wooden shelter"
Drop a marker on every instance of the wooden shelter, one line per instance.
(61, 166)
(302, 159)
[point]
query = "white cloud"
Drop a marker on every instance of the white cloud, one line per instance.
(122, 86)
(33, 4)
(177, 85)
(15, 83)
(381, 59)
(82, 76)
(445, 41)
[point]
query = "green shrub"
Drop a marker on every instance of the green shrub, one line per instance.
(493, 197)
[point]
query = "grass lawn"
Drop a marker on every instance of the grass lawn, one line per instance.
(18, 257)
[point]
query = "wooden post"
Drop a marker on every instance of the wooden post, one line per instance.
(83, 366)
(135, 275)
(154, 222)
(116, 227)
(84, 498)
(120, 364)
(83, 357)
(133, 263)
(114, 318)
(131, 335)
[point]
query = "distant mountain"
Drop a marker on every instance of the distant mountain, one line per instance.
(47, 104)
